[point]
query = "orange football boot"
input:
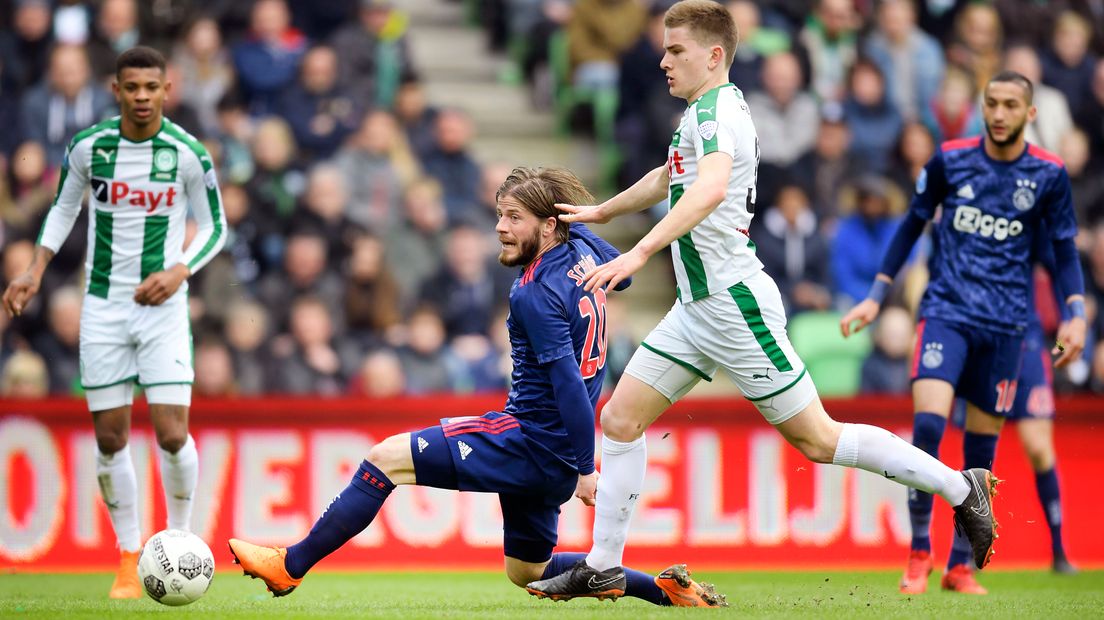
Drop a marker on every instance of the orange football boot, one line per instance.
(960, 578)
(685, 592)
(915, 579)
(266, 564)
(127, 584)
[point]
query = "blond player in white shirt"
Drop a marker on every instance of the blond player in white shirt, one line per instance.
(144, 173)
(728, 314)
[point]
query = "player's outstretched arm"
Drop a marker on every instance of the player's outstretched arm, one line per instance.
(23, 287)
(650, 189)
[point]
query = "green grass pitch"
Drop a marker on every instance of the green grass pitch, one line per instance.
(834, 594)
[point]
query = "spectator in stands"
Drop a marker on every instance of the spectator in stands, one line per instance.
(1053, 119)
(115, 31)
(494, 174)
(268, 60)
(833, 164)
(757, 42)
(914, 149)
(307, 360)
(910, 59)
(9, 115)
(374, 53)
(977, 43)
(323, 208)
(380, 376)
(887, 369)
(416, 247)
(865, 233)
(954, 113)
(1068, 63)
(246, 333)
(235, 135)
(214, 370)
(786, 120)
(306, 273)
(60, 345)
(377, 165)
(275, 187)
(372, 297)
(647, 113)
(452, 165)
(428, 365)
(176, 109)
(16, 256)
(1088, 186)
(793, 251)
(27, 192)
(416, 117)
(242, 248)
(25, 48)
(1092, 118)
(24, 376)
(206, 73)
(875, 123)
(66, 102)
(598, 32)
(319, 109)
(830, 39)
(464, 289)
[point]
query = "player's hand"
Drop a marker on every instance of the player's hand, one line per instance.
(158, 287)
(587, 488)
(1071, 341)
(582, 213)
(865, 313)
(610, 274)
(19, 292)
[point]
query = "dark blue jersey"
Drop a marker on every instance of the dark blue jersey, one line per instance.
(552, 317)
(983, 241)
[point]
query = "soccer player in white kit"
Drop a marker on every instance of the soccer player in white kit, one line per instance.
(728, 313)
(144, 172)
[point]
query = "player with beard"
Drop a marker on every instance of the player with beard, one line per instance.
(997, 193)
(539, 450)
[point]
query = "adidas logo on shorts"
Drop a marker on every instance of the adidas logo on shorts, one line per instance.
(465, 450)
(422, 444)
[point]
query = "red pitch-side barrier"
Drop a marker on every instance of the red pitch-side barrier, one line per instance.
(723, 489)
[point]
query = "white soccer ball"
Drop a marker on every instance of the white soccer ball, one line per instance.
(176, 567)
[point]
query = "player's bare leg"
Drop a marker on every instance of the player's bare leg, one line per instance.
(823, 440)
(1037, 438)
(115, 474)
(389, 463)
(179, 462)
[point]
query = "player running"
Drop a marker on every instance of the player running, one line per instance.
(728, 313)
(144, 172)
(539, 450)
(998, 193)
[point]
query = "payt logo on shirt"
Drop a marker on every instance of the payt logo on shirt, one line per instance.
(115, 192)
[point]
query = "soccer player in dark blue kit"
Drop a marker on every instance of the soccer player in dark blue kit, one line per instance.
(988, 198)
(539, 450)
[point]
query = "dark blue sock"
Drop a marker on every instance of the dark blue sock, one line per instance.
(927, 433)
(637, 584)
(348, 514)
(978, 450)
(1046, 483)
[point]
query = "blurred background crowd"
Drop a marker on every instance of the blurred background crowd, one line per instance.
(362, 259)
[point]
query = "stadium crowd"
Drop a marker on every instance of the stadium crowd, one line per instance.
(361, 258)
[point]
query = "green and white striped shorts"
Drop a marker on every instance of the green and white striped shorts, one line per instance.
(742, 331)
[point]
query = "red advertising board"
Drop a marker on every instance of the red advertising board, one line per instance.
(723, 489)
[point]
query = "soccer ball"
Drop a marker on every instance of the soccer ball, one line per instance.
(176, 567)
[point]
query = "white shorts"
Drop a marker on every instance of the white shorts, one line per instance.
(123, 343)
(742, 331)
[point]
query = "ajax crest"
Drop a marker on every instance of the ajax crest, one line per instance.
(933, 355)
(1024, 196)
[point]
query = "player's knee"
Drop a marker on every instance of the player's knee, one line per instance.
(618, 425)
(387, 455)
(173, 440)
(1041, 455)
(816, 450)
(110, 441)
(522, 574)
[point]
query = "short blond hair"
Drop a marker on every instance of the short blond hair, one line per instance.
(709, 23)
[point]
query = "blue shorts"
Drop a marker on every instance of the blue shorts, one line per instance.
(982, 365)
(1035, 392)
(491, 454)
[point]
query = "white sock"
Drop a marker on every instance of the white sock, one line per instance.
(178, 475)
(623, 467)
(115, 473)
(880, 451)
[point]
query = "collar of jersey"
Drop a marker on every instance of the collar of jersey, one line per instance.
(713, 89)
(164, 121)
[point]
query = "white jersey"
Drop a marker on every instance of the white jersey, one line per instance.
(718, 252)
(140, 195)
